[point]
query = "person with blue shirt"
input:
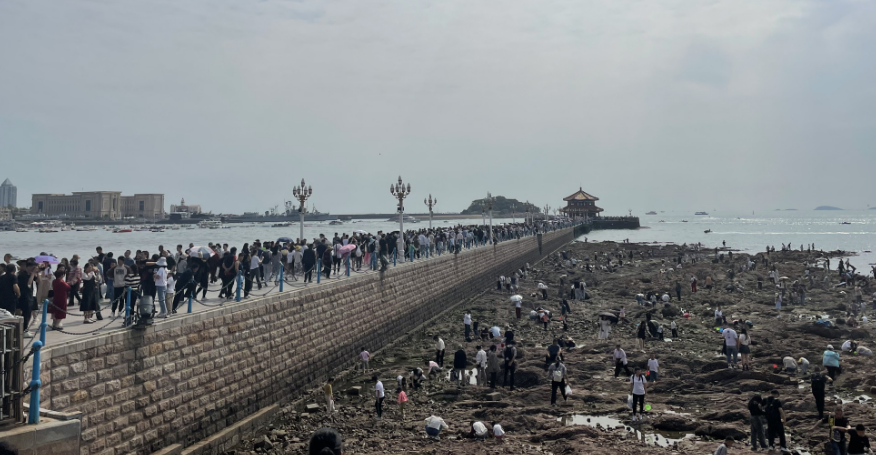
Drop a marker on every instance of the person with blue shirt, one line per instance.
(831, 361)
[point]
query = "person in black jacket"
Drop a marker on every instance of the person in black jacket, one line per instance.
(459, 363)
(758, 421)
(308, 259)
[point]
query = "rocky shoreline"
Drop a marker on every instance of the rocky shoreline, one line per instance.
(697, 400)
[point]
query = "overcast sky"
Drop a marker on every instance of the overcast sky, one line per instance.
(665, 105)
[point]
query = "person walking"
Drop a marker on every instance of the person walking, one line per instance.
(758, 422)
(402, 399)
(653, 368)
(510, 356)
(557, 376)
(481, 361)
(329, 397)
(745, 349)
(731, 341)
(775, 417)
(492, 366)
(87, 302)
(364, 357)
(466, 321)
(58, 309)
(839, 426)
(379, 395)
(818, 381)
(620, 361)
(439, 350)
(674, 327)
(831, 360)
(459, 363)
(638, 384)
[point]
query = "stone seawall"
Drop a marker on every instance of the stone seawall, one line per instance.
(188, 377)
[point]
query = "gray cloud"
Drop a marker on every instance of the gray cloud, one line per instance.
(661, 104)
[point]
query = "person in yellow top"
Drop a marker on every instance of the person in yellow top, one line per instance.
(329, 399)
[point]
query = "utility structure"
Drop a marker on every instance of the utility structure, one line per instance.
(513, 219)
(400, 192)
(487, 205)
(301, 193)
(528, 212)
(430, 203)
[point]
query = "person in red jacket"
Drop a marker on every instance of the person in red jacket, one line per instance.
(58, 309)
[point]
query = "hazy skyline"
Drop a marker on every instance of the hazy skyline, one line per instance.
(664, 105)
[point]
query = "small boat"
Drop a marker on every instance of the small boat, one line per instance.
(336, 222)
(156, 230)
(661, 221)
(684, 221)
(701, 213)
(21, 230)
(845, 222)
(121, 231)
(47, 230)
(651, 213)
(707, 231)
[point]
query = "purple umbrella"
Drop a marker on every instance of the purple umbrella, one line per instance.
(346, 249)
(50, 259)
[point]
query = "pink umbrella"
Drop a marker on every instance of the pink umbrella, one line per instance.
(346, 249)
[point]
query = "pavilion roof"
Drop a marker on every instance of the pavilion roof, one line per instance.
(581, 195)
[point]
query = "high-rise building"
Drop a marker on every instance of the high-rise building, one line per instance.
(8, 194)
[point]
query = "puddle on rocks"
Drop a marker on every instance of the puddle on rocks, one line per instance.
(658, 438)
(858, 399)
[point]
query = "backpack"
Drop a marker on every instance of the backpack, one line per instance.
(558, 375)
(509, 353)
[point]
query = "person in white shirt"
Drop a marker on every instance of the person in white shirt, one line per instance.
(160, 277)
(379, 395)
(481, 361)
(620, 361)
(639, 383)
(479, 430)
(745, 348)
(731, 341)
(466, 320)
(498, 432)
(674, 327)
(364, 357)
(439, 350)
(434, 425)
(719, 317)
(653, 368)
(171, 286)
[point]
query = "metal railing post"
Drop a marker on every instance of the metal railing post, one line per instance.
(348, 265)
(33, 414)
(282, 276)
(318, 270)
(191, 295)
(394, 257)
(44, 324)
(127, 306)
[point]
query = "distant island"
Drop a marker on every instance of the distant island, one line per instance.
(790, 210)
(501, 206)
(827, 207)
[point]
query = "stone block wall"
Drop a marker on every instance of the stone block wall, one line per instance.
(186, 378)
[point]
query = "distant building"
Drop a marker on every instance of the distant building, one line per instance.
(581, 205)
(5, 213)
(182, 207)
(8, 194)
(109, 205)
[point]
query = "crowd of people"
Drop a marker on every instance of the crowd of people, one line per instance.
(161, 281)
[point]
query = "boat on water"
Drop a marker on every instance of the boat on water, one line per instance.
(651, 213)
(707, 231)
(210, 224)
(701, 213)
(336, 222)
(684, 221)
(405, 219)
(661, 221)
(122, 231)
(845, 222)
(286, 224)
(47, 230)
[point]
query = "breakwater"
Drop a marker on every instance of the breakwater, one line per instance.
(184, 379)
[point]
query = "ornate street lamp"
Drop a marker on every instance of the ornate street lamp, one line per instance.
(302, 193)
(488, 204)
(400, 192)
(430, 203)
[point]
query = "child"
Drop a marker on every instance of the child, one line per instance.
(498, 432)
(402, 399)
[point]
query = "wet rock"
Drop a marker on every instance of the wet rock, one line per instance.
(720, 432)
(726, 416)
(565, 433)
(311, 408)
(356, 390)
(263, 444)
(712, 366)
(674, 423)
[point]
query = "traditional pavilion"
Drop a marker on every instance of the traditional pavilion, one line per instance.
(581, 205)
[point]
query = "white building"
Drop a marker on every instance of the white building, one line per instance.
(8, 194)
